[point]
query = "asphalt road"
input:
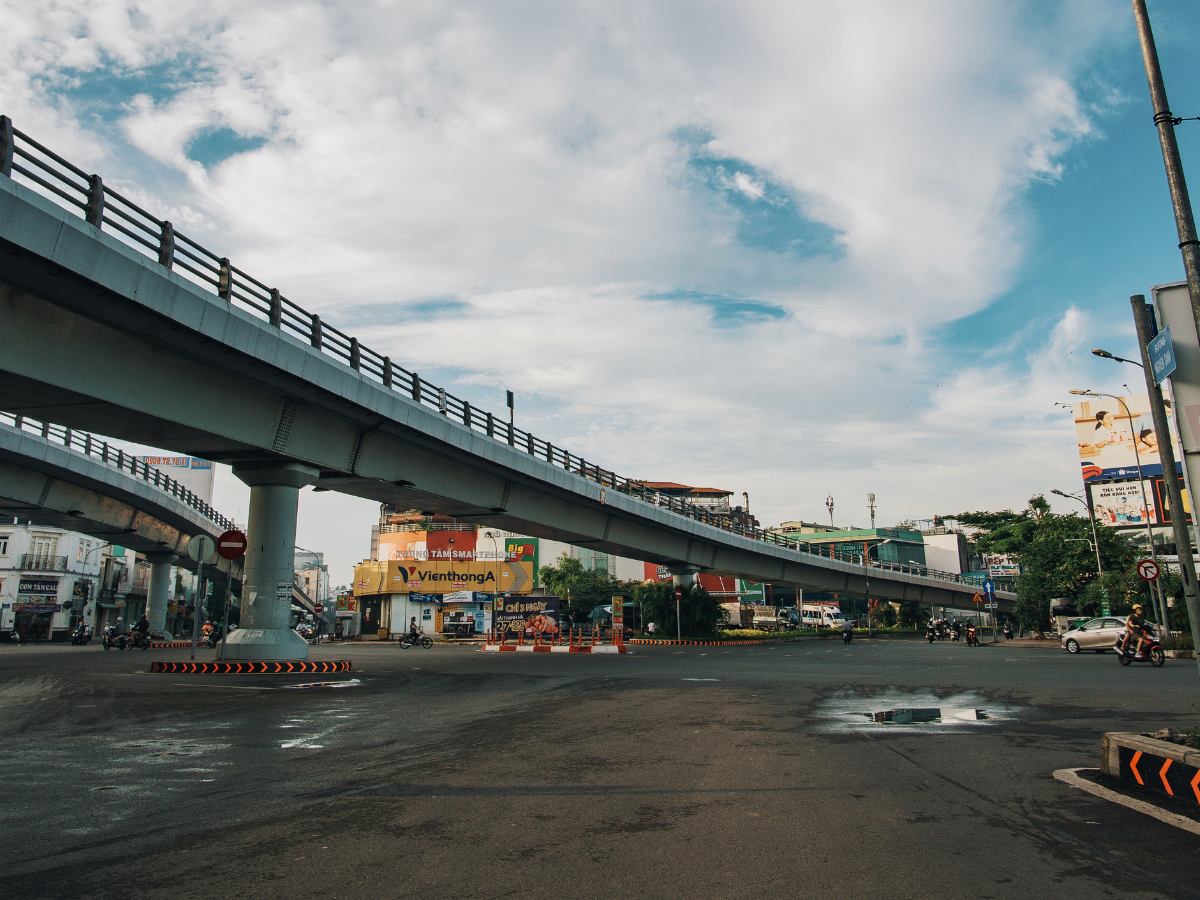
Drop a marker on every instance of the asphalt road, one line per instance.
(670, 772)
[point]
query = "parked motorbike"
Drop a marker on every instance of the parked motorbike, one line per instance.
(82, 635)
(1152, 651)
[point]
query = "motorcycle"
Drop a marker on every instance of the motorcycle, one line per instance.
(972, 637)
(421, 640)
(847, 636)
(957, 633)
(1152, 651)
(1008, 631)
(112, 639)
(82, 635)
(931, 634)
(141, 640)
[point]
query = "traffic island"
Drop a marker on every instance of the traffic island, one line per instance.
(652, 643)
(555, 648)
(1158, 766)
(251, 667)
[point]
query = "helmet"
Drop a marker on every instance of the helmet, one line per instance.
(1137, 606)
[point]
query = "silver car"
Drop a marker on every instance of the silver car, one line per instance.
(1095, 634)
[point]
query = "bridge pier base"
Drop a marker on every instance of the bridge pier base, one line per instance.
(264, 630)
(160, 586)
(684, 576)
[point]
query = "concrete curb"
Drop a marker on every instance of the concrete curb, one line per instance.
(1158, 766)
(1071, 777)
(552, 648)
(646, 643)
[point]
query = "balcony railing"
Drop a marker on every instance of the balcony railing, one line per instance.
(37, 562)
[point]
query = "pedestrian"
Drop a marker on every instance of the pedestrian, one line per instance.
(650, 628)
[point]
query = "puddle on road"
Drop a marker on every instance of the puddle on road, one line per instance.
(909, 712)
(933, 714)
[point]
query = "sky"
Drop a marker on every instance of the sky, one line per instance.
(794, 249)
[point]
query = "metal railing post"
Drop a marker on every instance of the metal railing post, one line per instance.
(387, 371)
(95, 203)
(225, 281)
(316, 331)
(276, 308)
(416, 387)
(166, 245)
(355, 354)
(7, 142)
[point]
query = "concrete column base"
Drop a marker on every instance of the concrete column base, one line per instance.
(264, 643)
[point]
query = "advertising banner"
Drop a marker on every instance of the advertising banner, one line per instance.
(443, 577)
(1114, 436)
(1001, 567)
(532, 615)
(618, 615)
(1120, 505)
(47, 586)
(1163, 499)
(192, 472)
(523, 550)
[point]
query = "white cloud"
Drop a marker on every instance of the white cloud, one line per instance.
(540, 165)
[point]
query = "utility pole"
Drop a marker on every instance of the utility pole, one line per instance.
(1189, 246)
(871, 506)
(829, 506)
(1166, 451)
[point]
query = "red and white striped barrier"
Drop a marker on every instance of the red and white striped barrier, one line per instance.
(651, 643)
(554, 648)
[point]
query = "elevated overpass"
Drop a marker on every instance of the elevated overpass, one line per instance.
(62, 478)
(136, 317)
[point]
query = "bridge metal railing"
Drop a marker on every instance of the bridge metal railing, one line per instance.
(104, 208)
(97, 448)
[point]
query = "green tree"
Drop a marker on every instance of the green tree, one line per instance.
(581, 590)
(699, 611)
(1057, 561)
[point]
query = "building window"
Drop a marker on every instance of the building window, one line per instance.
(3, 545)
(44, 546)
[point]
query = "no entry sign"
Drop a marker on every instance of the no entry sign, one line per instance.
(1147, 569)
(232, 545)
(318, 608)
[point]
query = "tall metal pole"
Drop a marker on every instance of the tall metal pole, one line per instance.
(1189, 246)
(1166, 450)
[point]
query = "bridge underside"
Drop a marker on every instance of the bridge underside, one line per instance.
(101, 339)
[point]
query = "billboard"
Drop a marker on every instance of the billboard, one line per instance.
(192, 472)
(1001, 566)
(523, 550)
(443, 577)
(1114, 436)
(1120, 504)
(533, 615)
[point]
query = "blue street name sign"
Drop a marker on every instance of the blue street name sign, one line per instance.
(1162, 355)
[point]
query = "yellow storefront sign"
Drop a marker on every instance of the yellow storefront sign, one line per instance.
(442, 577)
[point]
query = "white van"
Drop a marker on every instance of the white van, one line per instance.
(820, 615)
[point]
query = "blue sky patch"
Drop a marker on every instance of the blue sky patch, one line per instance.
(215, 145)
(770, 214)
(726, 310)
(105, 93)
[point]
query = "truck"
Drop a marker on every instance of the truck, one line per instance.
(775, 618)
(822, 615)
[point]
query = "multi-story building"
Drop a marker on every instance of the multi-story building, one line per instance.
(49, 580)
(312, 575)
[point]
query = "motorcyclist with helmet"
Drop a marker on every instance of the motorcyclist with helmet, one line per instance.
(1135, 625)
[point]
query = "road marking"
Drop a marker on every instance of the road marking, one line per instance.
(700, 679)
(1133, 768)
(1071, 777)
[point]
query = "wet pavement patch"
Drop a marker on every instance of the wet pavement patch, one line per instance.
(915, 712)
(930, 714)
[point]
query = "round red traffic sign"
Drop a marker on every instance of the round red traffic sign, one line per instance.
(1147, 569)
(232, 545)
(318, 607)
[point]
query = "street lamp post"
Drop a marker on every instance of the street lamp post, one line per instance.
(1142, 484)
(829, 506)
(1092, 517)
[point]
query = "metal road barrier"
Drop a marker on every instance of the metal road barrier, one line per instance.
(86, 194)
(96, 448)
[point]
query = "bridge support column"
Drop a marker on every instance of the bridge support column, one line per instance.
(684, 576)
(264, 630)
(160, 585)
